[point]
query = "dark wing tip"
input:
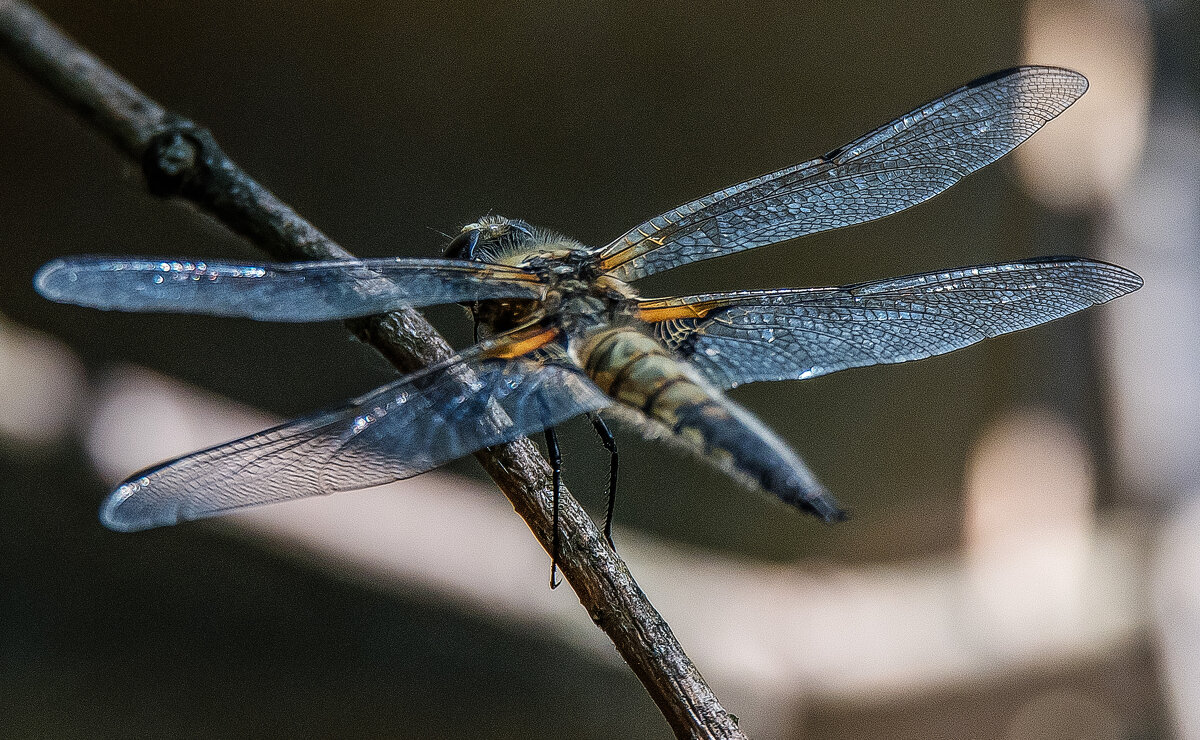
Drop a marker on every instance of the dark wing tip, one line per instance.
(1130, 280)
(1036, 70)
(1044, 91)
(1122, 280)
(992, 77)
(1117, 280)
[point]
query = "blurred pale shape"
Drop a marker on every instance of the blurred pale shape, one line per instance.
(1152, 340)
(1086, 156)
(1029, 518)
(41, 384)
(1177, 608)
(1030, 476)
(141, 418)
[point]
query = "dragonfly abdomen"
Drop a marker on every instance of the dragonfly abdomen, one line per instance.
(640, 373)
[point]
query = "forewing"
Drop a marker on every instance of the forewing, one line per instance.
(300, 291)
(407, 427)
(896, 166)
(743, 337)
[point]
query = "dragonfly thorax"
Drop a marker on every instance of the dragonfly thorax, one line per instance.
(578, 295)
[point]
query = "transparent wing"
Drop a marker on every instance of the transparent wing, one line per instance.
(301, 291)
(743, 337)
(899, 165)
(407, 427)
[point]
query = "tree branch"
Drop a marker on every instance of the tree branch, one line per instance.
(180, 158)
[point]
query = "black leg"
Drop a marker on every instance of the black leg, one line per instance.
(556, 468)
(610, 444)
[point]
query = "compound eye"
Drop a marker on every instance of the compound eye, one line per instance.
(462, 247)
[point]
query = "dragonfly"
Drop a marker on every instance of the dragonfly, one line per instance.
(562, 332)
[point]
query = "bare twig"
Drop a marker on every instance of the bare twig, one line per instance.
(179, 158)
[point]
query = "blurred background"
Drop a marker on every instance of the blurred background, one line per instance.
(1023, 561)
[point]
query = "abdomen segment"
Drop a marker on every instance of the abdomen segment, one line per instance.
(642, 375)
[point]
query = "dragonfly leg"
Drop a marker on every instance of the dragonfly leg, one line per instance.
(610, 444)
(556, 469)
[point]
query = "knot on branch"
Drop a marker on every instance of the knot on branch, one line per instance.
(180, 159)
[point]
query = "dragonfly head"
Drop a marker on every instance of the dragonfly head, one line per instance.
(489, 239)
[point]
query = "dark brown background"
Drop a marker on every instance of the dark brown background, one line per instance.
(385, 124)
